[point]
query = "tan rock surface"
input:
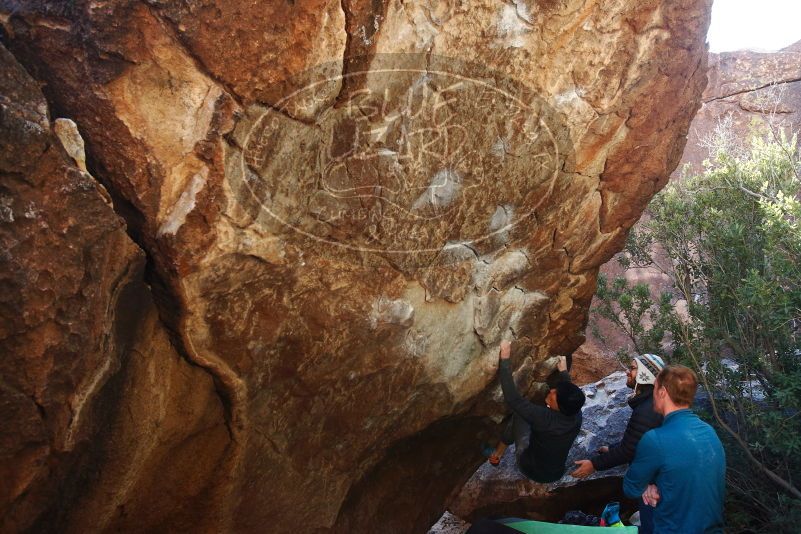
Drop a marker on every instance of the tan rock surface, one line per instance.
(341, 253)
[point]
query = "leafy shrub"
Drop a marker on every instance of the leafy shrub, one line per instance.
(729, 240)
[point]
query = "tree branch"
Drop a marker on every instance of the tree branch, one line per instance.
(776, 479)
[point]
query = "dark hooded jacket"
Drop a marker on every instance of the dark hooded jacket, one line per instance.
(643, 419)
(552, 432)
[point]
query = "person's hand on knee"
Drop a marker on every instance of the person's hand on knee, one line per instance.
(585, 469)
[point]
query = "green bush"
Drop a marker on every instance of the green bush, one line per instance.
(730, 242)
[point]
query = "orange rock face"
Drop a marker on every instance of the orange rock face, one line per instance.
(344, 206)
(98, 409)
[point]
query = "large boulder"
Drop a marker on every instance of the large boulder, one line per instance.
(345, 206)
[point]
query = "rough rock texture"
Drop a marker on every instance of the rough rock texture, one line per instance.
(503, 490)
(590, 366)
(449, 524)
(340, 226)
(95, 402)
(748, 93)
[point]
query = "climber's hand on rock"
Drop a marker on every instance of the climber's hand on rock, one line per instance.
(585, 469)
(651, 495)
(603, 450)
(562, 363)
(506, 349)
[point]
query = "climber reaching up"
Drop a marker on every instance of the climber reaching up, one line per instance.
(542, 435)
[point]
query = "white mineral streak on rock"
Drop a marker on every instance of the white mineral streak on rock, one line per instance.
(516, 305)
(513, 24)
(94, 381)
(456, 251)
(387, 311)
(31, 212)
(567, 98)
(458, 342)
(186, 203)
(443, 338)
(502, 272)
(500, 148)
(167, 104)
(500, 315)
(501, 223)
(414, 20)
(443, 190)
(415, 343)
(6, 211)
(485, 310)
(67, 132)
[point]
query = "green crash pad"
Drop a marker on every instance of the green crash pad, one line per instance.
(538, 527)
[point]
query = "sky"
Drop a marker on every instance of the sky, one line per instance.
(763, 25)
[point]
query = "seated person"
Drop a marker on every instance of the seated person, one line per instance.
(542, 435)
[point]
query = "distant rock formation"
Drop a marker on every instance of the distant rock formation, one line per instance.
(340, 209)
(748, 93)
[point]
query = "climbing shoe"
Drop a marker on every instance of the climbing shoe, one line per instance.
(489, 452)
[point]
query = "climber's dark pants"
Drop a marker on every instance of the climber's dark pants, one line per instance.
(517, 431)
(646, 518)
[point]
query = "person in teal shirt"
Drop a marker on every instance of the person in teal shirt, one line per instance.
(680, 467)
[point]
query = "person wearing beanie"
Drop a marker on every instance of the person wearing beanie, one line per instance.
(640, 377)
(542, 435)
